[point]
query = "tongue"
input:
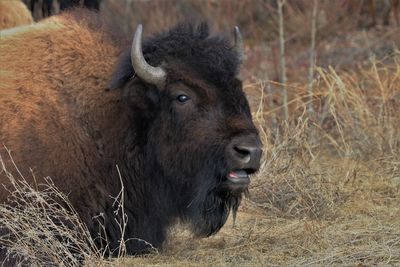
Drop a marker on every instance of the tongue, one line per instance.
(238, 177)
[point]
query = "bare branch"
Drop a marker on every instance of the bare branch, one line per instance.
(282, 62)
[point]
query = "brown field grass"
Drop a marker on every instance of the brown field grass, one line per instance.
(328, 192)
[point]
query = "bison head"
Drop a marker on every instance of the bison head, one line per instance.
(192, 121)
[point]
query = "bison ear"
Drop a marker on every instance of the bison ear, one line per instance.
(141, 97)
(123, 71)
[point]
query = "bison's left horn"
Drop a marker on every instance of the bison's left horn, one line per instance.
(239, 42)
(150, 74)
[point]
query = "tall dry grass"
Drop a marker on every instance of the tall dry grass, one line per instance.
(40, 227)
(329, 200)
(346, 180)
(357, 117)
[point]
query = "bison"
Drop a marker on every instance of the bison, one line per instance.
(91, 4)
(44, 8)
(171, 113)
(14, 13)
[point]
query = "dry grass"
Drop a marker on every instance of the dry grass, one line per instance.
(43, 228)
(328, 192)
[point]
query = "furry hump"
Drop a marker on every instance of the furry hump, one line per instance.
(212, 57)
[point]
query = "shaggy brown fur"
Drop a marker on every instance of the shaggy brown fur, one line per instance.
(32, 78)
(14, 13)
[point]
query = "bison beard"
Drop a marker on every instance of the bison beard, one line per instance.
(206, 202)
(211, 203)
(174, 118)
(211, 210)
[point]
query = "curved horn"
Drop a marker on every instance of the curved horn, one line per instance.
(239, 42)
(150, 74)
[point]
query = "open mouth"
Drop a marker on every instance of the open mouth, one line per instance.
(240, 178)
(236, 182)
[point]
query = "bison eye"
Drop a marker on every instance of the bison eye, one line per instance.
(182, 98)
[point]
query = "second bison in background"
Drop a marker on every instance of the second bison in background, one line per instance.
(172, 115)
(13, 14)
(46, 8)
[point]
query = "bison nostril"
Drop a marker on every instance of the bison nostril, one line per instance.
(242, 150)
(243, 153)
(248, 155)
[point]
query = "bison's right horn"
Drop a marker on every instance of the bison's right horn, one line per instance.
(150, 74)
(239, 42)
